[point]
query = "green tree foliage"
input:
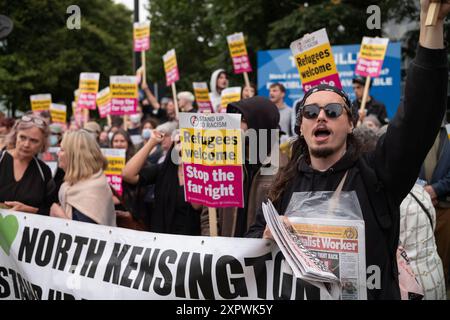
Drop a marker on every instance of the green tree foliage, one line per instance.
(42, 55)
(266, 25)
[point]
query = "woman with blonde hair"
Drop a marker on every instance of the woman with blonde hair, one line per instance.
(85, 194)
(26, 182)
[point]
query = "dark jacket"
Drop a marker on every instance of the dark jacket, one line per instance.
(374, 107)
(382, 178)
(259, 113)
(440, 180)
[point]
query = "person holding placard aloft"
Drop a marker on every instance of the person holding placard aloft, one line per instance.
(326, 157)
(170, 212)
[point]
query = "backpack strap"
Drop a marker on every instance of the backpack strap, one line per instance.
(423, 208)
(2, 154)
(40, 169)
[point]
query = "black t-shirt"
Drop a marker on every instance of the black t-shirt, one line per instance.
(33, 189)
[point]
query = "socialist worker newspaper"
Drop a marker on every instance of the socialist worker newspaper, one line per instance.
(328, 253)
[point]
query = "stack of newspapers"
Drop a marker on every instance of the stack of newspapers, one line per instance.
(304, 263)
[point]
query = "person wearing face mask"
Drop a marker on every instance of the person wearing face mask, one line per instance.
(148, 125)
(56, 133)
(135, 124)
(170, 212)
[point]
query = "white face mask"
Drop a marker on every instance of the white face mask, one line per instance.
(146, 134)
(135, 118)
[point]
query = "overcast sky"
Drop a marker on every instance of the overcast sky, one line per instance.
(130, 5)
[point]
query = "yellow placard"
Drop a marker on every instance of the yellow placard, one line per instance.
(58, 116)
(170, 63)
(115, 165)
(316, 63)
(103, 99)
(336, 232)
(237, 48)
(40, 105)
(124, 90)
(229, 98)
(373, 51)
(142, 32)
(201, 95)
(88, 86)
(211, 147)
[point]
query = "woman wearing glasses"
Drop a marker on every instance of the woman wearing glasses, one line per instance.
(26, 182)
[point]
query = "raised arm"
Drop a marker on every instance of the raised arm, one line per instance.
(130, 173)
(410, 135)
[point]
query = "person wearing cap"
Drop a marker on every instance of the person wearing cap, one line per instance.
(326, 154)
(185, 101)
(93, 128)
(373, 106)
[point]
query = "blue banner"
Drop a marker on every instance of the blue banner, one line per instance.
(279, 66)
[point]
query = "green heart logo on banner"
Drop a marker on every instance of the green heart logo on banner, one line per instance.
(8, 232)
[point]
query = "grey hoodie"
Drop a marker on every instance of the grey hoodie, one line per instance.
(214, 95)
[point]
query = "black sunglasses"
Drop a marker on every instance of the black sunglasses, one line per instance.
(332, 110)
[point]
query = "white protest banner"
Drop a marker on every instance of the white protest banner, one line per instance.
(202, 97)
(371, 56)
(227, 96)
(212, 159)
(104, 102)
(88, 87)
(51, 258)
(314, 59)
(124, 94)
(141, 36)
(116, 163)
(58, 113)
(40, 102)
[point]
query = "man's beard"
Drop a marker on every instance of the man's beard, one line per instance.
(322, 152)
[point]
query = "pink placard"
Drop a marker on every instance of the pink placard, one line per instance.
(205, 106)
(142, 44)
(87, 101)
(104, 110)
(366, 67)
(172, 76)
(213, 186)
(115, 182)
(332, 80)
(241, 64)
(123, 106)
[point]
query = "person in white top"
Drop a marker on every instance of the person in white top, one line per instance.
(417, 224)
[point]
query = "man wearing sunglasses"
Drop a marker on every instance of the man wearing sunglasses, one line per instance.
(326, 152)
